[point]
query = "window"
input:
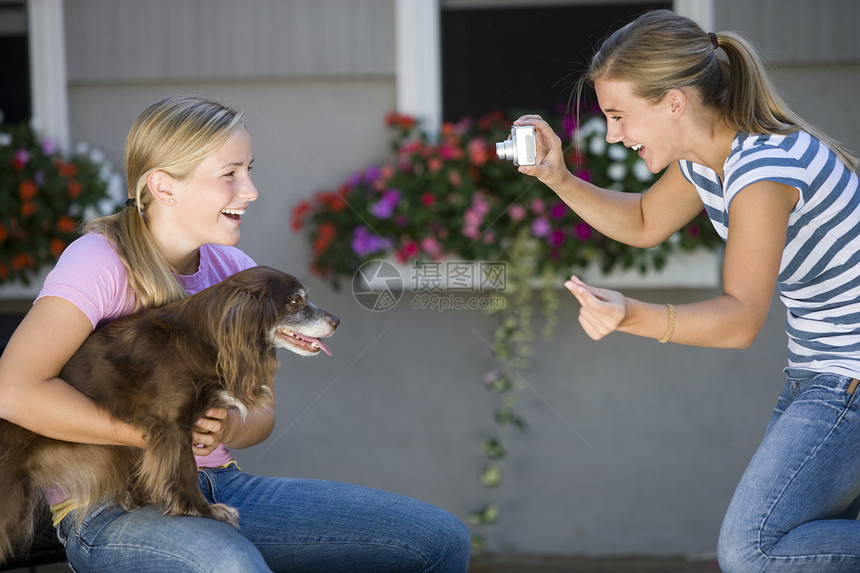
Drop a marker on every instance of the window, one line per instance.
(15, 63)
(522, 58)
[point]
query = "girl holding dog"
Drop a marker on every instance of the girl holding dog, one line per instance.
(188, 164)
(785, 199)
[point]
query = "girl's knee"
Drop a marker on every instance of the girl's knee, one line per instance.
(449, 546)
(737, 552)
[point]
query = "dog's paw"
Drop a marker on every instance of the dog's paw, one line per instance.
(224, 513)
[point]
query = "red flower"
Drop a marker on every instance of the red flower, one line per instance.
(3, 233)
(326, 233)
(57, 247)
(299, 213)
(65, 168)
(22, 261)
(75, 189)
(334, 202)
(28, 209)
(404, 122)
(66, 224)
(428, 199)
(27, 189)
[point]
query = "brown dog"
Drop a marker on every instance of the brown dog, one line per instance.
(159, 370)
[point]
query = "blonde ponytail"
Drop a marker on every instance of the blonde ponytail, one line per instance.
(661, 51)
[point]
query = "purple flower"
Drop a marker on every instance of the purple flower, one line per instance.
(582, 230)
(384, 208)
(48, 147)
(541, 227)
(365, 243)
(556, 238)
(558, 210)
(371, 174)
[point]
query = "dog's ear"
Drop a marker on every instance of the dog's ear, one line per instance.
(246, 320)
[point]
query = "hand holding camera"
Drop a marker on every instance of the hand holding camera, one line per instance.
(521, 147)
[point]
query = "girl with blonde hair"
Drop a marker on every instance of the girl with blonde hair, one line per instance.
(188, 163)
(785, 199)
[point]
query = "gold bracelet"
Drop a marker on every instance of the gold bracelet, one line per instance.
(670, 328)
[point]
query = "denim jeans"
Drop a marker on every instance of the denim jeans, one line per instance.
(796, 505)
(285, 525)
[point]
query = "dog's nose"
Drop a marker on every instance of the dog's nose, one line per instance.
(333, 321)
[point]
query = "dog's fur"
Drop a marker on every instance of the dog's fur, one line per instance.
(159, 370)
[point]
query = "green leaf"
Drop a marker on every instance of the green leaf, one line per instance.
(492, 448)
(491, 476)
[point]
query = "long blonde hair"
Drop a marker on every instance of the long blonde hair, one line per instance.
(173, 135)
(661, 51)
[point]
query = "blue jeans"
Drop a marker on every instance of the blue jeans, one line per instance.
(796, 505)
(285, 525)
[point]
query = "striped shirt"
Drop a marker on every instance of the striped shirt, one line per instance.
(819, 275)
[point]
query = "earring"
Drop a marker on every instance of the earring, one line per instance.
(171, 200)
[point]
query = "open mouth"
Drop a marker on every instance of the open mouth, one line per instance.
(636, 147)
(302, 341)
(235, 214)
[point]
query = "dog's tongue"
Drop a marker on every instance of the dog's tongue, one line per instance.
(316, 341)
(322, 345)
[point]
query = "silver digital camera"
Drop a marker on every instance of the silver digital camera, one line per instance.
(520, 148)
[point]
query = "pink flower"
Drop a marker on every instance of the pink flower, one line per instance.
(406, 252)
(517, 212)
(20, 159)
(540, 227)
(538, 206)
(478, 152)
(455, 178)
(434, 164)
(432, 247)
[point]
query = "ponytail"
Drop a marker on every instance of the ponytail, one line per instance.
(661, 51)
(752, 104)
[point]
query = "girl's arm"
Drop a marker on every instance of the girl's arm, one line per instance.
(758, 223)
(641, 220)
(31, 394)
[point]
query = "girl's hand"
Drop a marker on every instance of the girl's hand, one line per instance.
(549, 166)
(209, 431)
(602, 310)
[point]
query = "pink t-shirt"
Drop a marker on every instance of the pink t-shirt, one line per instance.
(91, 276)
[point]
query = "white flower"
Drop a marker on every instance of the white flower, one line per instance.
(597, 145)
(617, 171)
(82, 148)
(640, 171)
(617, 152)
(5, 139)
(116, 188)
(97, 156)
(595, 125)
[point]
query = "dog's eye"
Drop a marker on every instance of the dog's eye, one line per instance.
(295, 303)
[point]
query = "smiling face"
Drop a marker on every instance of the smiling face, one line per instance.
(209, 204)
(637, 123)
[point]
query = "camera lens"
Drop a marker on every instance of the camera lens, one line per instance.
(505, 149)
